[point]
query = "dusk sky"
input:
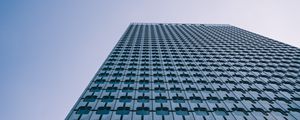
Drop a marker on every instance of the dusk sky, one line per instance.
(51, 49)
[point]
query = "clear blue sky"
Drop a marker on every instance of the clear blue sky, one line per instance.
(50, 49)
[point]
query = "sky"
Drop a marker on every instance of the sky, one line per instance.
(51, 49)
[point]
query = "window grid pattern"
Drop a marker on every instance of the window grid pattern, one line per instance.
(193, 72)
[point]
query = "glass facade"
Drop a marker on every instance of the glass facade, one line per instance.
(193, 72)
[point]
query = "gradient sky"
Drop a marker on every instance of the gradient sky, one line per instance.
(50, 49)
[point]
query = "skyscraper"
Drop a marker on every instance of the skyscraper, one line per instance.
(193, 72)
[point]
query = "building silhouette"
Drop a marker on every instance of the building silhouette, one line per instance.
(193, 72)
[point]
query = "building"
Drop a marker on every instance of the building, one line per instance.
(193, 72)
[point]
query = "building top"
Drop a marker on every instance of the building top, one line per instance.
(137, 23)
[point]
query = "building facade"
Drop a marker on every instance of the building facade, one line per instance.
(193, 72)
